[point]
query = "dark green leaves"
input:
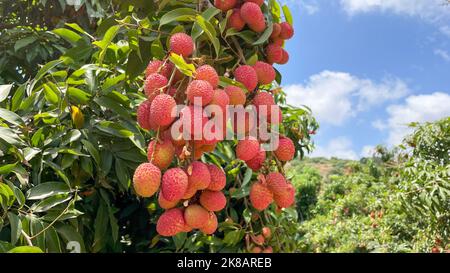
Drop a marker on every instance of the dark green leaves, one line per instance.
(179, 15)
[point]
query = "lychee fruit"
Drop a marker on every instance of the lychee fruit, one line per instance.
(258, 2)
(246, 75)
(285, 58)
(286, 149)
(260, 196)
(225, 5)
(171, 222)
(276, 183)
(163, 203)
(209, 74)
(174, 184)
(159, 67)
(146, 180)
(218, 178)
(161, 110)
(154, 85)
(275, 31)
(266, 72)
(263, 102)
(211, 225)
(274, 53)
(199, 175)
(257, 162)
(285, 198)
(266, 232)
(213, 200)
(161, 153)
(235, 20)
(236, 95)
(278, 41)
(258, 239)
(247, 148)
(181, 44)
(256, 250)
(143, 116)
(194, 120)
(268, 249)
(196, 216)
(287, 31)
(252, 15)
(201, 90)
(247, 124)
(221, 99)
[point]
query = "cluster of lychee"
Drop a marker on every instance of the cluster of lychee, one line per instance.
(191, 193)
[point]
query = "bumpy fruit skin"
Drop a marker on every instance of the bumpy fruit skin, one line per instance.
(209, 74)
(221, 99)
(146, 180)
(225, 5)
(199, 175)
(218, 178)
(247, 149)
(181, 44)
(200, 89)
(263, 102)
(211, 225)
(163, 203)
(193, 117)
(266, 72)
(171, 222)
(236, 95)
(213, 200)
(159, 67)
(286, 149)
(161, 153)
(154, 84)
(275, 31)
(278, 41)
(286, 198)
(143, 115)
(161, 110)
(274, 53)
(258, 2)
(285, 58)
(252, 15)
(267, 232)
(174, 184)
(257, 162)
(190, 191)
(287, 31)
(246, 75)
(260, 196)
(247, 124)
(196, 216)
(235, 21)
(276, 183)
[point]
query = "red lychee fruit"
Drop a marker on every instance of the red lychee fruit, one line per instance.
(286, 149)
(263, 102)
(260, 196)
(221, 99)
(268, 249)
(161, 110)
(252, 15)
(286, 198)
(275, 31)
(266, 72)
(218, 178)
(287, 31)
(199, 175)
(258, 2)
(266, 232)
(247, 124)
(159, 67)
(209, 74)
(211, 225)
(194, 120)
(285, 58)
(274, 53)
(235, 20)
(174, 184)
(278, 41)
(276, 183)
(163, 203)
(225, 5)
(202, 90)
(143, 116)
(146, 180)
(246, 75)
(196, 216)
(213, 200)
(181, 44)
(154, 85)
(257, 162)
(236, 95)
(247, 148)
(171, 222)
(256, 250)
(176, 138)
(258, 239)
(161, 153)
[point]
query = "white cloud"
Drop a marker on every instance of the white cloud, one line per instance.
(418, 108)
(443, 54)
(310, 6)
(334, 97)
(445, 30)
(379, 124)
(340, 147)
(430, 10)
(367, 151)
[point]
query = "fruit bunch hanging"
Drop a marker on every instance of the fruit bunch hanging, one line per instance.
(190, 191)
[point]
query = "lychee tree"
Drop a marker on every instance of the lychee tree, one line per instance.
(84, 159)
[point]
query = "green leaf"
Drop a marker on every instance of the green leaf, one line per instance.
(17, 194)
(93, 151)
(180, 63)
(179, 15)
(114, 129)
(210, 32)
(4, 91)
(16, 227)
(265, 36)
(106, 41)
(24, 42)
(26, 249)
(18, 97)
(9, 136)
(67, 35)
(157, 49)
(70, 234)
(7, 168)
(50, 202)
(52, 240)
(288, 15)
(51, 93)
(47, 67)
(247, 177)
(116, 107)
(78, 96)
(122, 173)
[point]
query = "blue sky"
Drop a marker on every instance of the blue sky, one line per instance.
(367, 68)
